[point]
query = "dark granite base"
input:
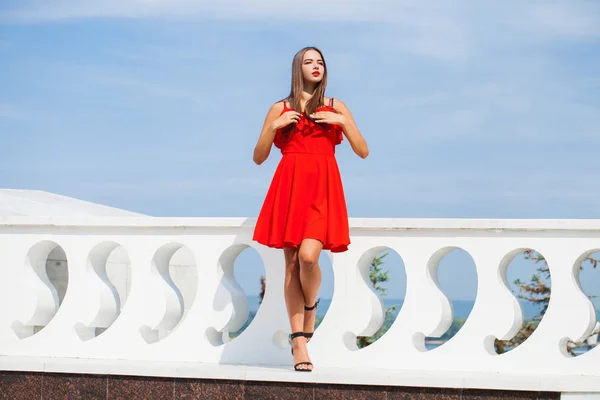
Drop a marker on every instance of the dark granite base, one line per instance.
(20, 385)
(30, 385)
(403, 393)
(278, 391)
(74, 387)
(140, 388)
(196, 389)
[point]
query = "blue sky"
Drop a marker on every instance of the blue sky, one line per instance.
(484, 110)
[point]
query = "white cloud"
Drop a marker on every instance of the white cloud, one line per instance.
(513, 188)
(37, 10)
(523, 106)
(206, 185)
(429, 28)
(124, 83)
(154, 89)
(560, 18)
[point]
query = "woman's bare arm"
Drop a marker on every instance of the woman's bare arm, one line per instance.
(267, 134)
(357, 142)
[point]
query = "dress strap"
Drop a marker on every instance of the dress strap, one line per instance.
(284, 104)
(331, 102)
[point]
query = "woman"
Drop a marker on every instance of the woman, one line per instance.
(305, 209)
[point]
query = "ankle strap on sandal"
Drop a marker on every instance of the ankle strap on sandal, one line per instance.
(306, 308)
(296, 334)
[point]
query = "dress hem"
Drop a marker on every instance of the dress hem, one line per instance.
(334, 248)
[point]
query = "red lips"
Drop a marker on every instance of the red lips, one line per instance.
(316, 73)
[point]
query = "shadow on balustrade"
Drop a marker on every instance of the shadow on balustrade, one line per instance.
(110, 266)
(526, 274)
(175, 264)
(48, 261)
(386, 278)
(453, 270)
(242, 288)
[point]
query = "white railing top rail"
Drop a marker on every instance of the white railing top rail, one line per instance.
(592, 225)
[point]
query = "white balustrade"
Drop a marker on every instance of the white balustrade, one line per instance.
(121, 302)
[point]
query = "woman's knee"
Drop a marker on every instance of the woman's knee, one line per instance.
(308, 258)
(309, 251)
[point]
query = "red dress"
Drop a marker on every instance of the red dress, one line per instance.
(306, 197)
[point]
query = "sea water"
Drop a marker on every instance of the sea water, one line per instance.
(461, 308)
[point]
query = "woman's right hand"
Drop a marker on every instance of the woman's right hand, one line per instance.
(274, 121)
(285, 119)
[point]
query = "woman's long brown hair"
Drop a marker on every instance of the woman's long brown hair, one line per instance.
(295, 97)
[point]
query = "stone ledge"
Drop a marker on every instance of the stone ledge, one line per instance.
(39, 385)
(320, 376)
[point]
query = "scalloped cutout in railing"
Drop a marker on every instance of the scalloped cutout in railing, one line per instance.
(526, 274)
(387, 279)
(365, 306)
(175, 266)
(42, 299)
(455, 269)
(238, 263)
(109, 268)
(183, 270)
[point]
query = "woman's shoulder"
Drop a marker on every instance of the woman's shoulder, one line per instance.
(334, 100)
(278, 105)
(276, 109)
(336, 103)
(340, 106)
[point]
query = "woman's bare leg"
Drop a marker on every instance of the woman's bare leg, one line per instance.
(310, 278)
(294, 301)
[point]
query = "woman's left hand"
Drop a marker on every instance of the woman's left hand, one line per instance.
(328, 117)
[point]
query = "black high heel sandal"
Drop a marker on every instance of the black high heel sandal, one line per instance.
(292, 337)
(309, 335)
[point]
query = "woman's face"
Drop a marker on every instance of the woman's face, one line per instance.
(312, 67)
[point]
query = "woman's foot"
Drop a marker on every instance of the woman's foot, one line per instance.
(310, 316)
(301, 359)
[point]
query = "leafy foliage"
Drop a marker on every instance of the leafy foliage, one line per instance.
(263, 288)
(377, 275)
